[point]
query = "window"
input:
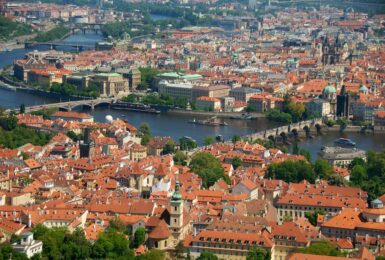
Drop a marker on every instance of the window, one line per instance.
(176, 208)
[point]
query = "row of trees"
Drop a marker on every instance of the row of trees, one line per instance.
(291, 112)
(155, 99)
(298, 170)
(369, 175)
(71, 90)
(58, 243)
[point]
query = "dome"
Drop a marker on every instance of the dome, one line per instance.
(329, 89)
(363, 88)
(109, 118)
(176, 196)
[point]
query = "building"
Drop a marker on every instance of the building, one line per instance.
(228, 243)
(262, 103)
(287, 238)
(138, 152)
(28, 245)
(362, 254)
(302, 198)
(177, 76)
(176, 90)
(355, 223)
(134, 78)
(340, 156)
(87, 146)
(156, 144)
(246, 187)
(111, 84)
(227, 104)
(208, 104)
(318, 107)
(331, 50)
(179, 221)
(365, 110)
(214, 91)
(243, 93)
(72, 116)
(343, 103)
(379, 120)
(252, 4)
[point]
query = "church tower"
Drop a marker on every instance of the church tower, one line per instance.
(176, 214)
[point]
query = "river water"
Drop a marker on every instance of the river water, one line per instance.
(176, 126)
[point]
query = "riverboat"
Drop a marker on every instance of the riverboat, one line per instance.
(212, 121)
(344, 142)
(134, 107)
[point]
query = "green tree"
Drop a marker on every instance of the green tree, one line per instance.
(277, 116)
(132, 98)
(139, 237)
(7, 252)
(118, 225)
(22, 109)
(312, 217)
(296, 110)
(323, 247)
(145, 133)
(152, 254)
(187, 143)
(342, 122)
(258, 253)
(179, 251)
(207, 256)
(112, 244)
(236, 162)
(72, 135)
(208, 140)
(358, 174)
(169, 147)
(180, 158)
(357, 161)
(208, 168)
(15, 239)
(336, 180)
(292, 171)
(323, 169)
(236, 138)
(147, 77)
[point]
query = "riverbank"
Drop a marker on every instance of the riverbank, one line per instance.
(209, 114)
(353, 129)
(9, 85)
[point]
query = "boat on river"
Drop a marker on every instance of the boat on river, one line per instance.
(344, 142)
(243, 117)
(134, 107)
(212, 121)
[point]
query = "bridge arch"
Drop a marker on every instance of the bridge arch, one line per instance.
(283, 135)
(91, 105)
(271, 138)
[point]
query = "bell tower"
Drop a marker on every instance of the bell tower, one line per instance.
(176, 214)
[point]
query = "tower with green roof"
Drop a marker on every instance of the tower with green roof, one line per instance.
(176, 212)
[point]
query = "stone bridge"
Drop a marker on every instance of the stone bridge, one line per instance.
(68, 106)
(291, 129)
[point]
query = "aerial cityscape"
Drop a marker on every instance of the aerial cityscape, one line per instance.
(192, 129)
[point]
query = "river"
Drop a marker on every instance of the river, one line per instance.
(177, 126)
